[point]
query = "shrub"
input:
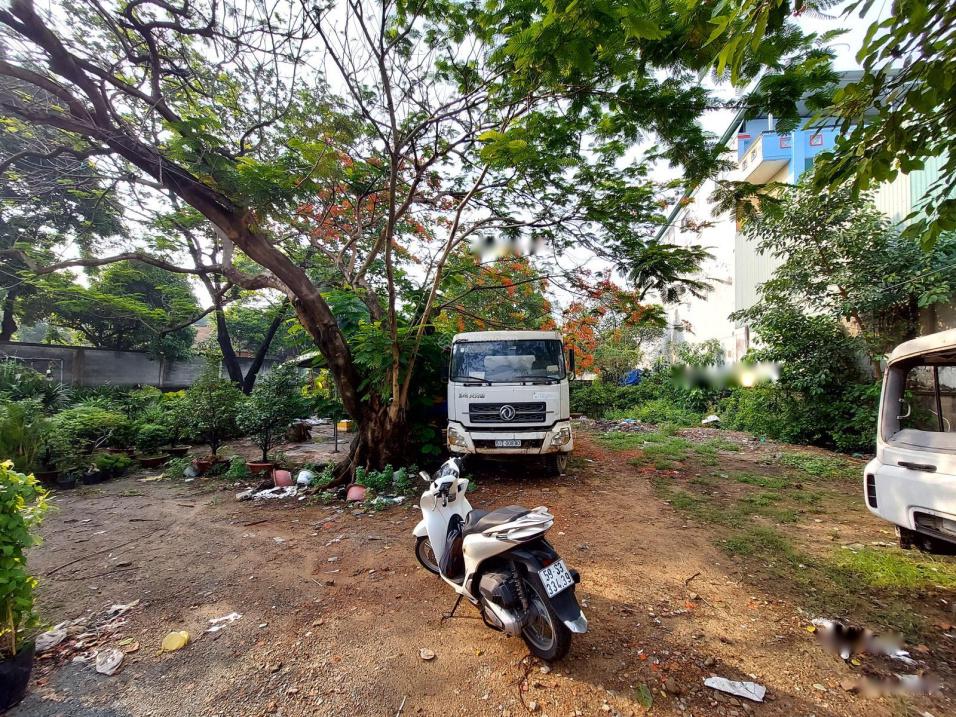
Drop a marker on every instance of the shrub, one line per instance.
(238, 469)
(22, 383)
(23, 430)
(22, 505)
(660, 411)
(387, 480)
(114, 464)
(763, 410)
(275, 402)
(594, 400)
(83, 428)
(208, 409)
(150, 437)
(176, 467)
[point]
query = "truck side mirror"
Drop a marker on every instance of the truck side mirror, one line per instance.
(571, 361)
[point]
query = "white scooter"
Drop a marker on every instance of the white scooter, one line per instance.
(501, 562)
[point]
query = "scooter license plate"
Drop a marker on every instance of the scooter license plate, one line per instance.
(507, 443)
(555, 578)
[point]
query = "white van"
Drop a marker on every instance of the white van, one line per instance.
(912, 480)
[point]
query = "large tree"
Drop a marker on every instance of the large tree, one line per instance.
(455, 123)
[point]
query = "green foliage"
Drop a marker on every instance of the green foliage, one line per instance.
(22, 506)
(150, 437)
(128, 306)
(238, 469)
(209, 407)
(766, 411)
(658, 410)
(896, 117)
(176, 467)
(114, 464)
(597, 398)
(896, 570)
(274, 403)
(384, 482)
(669, 270)
(23, 430)
(22, 383)
(80, 429)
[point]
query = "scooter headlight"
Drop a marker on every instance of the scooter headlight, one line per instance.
(561, 437)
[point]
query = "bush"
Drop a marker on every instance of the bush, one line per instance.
(595, 399)
(660, 411)
(23, 430)
(762, 410)
(275, 402)
(150, 437)
(81, 429)
(209, 407)
(22, 383)
(385, 481)
(22, 505)
(238, 469)
(114, 464)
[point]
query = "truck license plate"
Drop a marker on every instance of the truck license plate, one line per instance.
(555, 578)
(507, 443)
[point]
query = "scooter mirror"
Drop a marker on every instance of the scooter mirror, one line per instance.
(425, 476)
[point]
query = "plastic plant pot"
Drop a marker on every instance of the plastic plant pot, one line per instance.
(14, 677)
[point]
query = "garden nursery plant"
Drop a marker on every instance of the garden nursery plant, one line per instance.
(22, 506)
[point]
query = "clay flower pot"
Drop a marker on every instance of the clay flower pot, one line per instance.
(259, 467)
(355, 493)
(178, 451)
(283, 479)
(204, 463)
(153, 461)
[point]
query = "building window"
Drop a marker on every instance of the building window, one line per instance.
(785, 141)
(816, 140)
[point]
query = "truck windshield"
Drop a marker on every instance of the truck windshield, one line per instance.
(508, 361)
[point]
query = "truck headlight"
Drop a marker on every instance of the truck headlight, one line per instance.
(455, 438)
(561, 437)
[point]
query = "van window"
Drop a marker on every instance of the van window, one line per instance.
(929, 413)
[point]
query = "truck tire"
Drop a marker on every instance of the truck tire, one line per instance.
(557, 463)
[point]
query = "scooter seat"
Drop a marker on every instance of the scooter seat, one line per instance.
(478, 521)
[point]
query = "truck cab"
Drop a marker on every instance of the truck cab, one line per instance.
(912, 480)
(508, 396)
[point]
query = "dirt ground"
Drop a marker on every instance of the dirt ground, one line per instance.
(335, 607)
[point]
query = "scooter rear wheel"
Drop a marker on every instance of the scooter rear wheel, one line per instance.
(425, 555)
(546, 635)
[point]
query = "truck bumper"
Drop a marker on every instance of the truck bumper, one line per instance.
(536, 442)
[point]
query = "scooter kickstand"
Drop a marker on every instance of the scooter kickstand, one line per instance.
(451, 614)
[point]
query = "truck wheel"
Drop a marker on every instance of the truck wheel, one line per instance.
(557, 463)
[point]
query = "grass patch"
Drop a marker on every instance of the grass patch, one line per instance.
(758, 540)
(760, 481)
(894, 569)
(660, 449)
(819, 466)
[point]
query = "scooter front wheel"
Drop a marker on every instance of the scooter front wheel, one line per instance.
(425, 555)
(546, 635)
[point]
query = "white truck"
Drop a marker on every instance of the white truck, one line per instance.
(912, 480)
(508, 396)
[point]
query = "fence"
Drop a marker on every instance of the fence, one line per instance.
(85, 366)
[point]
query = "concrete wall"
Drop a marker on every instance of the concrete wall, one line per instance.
(84, 366)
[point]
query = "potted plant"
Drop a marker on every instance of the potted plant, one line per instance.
(112, 465)
(174, 418)
(22, 505)
(274, 403)
(209, 412)
(149, 439)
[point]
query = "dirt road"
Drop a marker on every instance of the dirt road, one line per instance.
(335, 610)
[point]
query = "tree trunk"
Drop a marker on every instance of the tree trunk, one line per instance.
(9, 324)
(249, 382)
(229, 358)
(381, 439)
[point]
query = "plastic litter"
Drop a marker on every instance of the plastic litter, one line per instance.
(748, 690)
(712, 418)
(176, 640)
(304, 478)
(109, 661)
(218, 623)
(51, 638)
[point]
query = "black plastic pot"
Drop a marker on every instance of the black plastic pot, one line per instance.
(66, 481)
(93, 477)
(14, 676)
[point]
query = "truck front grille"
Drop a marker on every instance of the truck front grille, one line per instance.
(522, 412)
